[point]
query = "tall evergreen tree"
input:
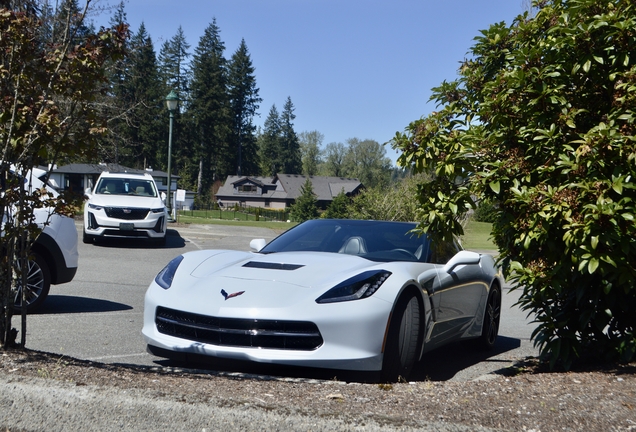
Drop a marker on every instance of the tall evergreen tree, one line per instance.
(209, 109)
(113, 146)
(244, 101)
(269, 144)
(173, 64)
(174, 72)
(69, 10)
(290, 146)
(148, 135)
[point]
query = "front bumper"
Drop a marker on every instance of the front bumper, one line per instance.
(98, 224)
(352, 334)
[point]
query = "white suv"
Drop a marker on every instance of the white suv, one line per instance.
(54, 255)
(125, 205)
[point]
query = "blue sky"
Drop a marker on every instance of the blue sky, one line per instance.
(353, 68)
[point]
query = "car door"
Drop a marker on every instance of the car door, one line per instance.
(458, 288)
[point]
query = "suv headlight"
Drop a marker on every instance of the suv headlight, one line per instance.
(94, 207)
(361, 286)
(164, 277)
(158, 210)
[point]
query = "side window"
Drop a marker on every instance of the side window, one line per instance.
(442, 252)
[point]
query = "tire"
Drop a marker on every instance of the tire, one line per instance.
(38, 285)
(492, 316)
(160, 242)
(86, 238)
(403, 340)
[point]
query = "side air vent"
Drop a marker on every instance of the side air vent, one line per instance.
(272, 266)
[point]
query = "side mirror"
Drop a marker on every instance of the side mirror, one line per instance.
(257, 244)
(88, 192)
(462, 258)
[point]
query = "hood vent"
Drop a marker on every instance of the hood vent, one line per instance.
(272, 266)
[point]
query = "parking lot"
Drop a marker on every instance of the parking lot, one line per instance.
(99, 315)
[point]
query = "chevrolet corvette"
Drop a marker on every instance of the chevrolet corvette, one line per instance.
(336, 294)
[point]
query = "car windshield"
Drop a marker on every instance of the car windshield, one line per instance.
(374, 240)
(126, 186)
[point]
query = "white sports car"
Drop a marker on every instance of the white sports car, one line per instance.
(341, 294)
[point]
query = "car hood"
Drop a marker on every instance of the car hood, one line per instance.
(136, 201)
(302, 269)
(263, 285)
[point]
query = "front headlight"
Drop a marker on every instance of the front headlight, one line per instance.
(94, 207)
(360, 286)
(164, 277)
(158, 210)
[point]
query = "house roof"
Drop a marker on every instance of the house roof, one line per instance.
(289, 186)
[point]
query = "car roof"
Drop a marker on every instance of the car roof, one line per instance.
(124, 175)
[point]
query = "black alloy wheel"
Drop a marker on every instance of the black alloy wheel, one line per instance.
(492, 316)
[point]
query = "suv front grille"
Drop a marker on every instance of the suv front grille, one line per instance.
(253, 333)
(126, 213)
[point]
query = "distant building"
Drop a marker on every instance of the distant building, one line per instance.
(281, 190)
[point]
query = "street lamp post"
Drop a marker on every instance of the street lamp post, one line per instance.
(172, 100)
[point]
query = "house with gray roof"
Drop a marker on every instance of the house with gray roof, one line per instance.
(281, 190)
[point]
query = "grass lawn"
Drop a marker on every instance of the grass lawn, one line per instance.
(476, 234)
(279, 226)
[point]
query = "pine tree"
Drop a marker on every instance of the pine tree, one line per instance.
(148, 135)
(173, 65)
(113, 146)
(269, 144)
(290, 145)
(306, 206)
(339, 207)
(209, 109)
(174, 73)
(244, 102)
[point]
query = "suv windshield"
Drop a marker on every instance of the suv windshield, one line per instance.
(126, 186)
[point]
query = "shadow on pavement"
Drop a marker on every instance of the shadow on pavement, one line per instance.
(445, 362)
(59, 304)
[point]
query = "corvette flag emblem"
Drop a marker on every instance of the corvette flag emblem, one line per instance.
(229, 296)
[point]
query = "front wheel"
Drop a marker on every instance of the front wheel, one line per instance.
(490, 329)
(37, 287)
(401, 350)
(87, 238)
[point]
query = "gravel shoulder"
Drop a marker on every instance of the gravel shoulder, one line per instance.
(41, 391)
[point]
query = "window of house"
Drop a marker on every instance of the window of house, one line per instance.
(247, 188)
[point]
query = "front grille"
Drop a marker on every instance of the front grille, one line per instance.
(120, 233)
(252, 333)
(126, 213)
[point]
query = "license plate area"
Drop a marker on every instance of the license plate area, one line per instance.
(126, 226)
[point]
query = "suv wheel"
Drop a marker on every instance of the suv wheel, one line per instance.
(87, 238)
(38, 284)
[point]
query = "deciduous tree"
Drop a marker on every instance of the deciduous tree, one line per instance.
(310, 150)
(47, 110)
